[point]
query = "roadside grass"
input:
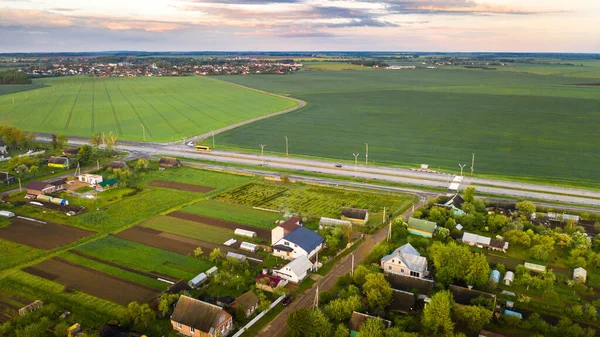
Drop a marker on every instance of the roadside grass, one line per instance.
(132, 210)
(145, 258)
(235, 213)
(190, 229)
(133, 277)
(13, 254)
(90, 311)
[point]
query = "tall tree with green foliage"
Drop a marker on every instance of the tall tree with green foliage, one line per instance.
(478, 271)
(372, 327)
(341, 309)
(305, 322)
(450, 261)
(140, 314)
(85, 154)
(526, 207)
(472, 317)
(341, 331)
(436, 319)
(377, 291)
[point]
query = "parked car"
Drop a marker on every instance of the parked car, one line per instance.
(287, 300)
(338, 165)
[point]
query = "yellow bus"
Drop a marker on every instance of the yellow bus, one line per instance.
(203, 148)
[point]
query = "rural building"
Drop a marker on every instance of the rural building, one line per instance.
(248, 302)
(117, 164)
(454, 204)
(269, 282)
(405, 260)
(495, 276)
(421, 227)
(358, 319)
(355, 215)
(284, 228)
(485, 333)
(562, 217)
(295, 271)
(193, 317)
(535, 267)
(299, 242)
(325, 222)
(70, 151)
(91, 179)
(197, 281)
(402, 301)
(7, 214)
(6, 178)
(579, 275)
(59, 162)
(106, 185)
(211, 271)
(3, 148)
(484, 242)
(236, 256)
(36, 187)
(410, 283)
(168, 162)
(509, 277)
(464, 296)
(35, 305)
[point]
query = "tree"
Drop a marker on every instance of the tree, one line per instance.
(263, 302)
(85, 154)
(140, 314)
(60, 329)
(472, 317)
(215, 255)
(436, 319)
(517, 237)
(469, 194)
(497, 221)
(526, 207)
(360, 275)
(372, 327)
(61, 141)
(141, 165)
(165, 301)
(110, 140)
(377, 291)
(341, 331)
(478, 271)
(305, 322)
(442, 233)
(397, 332)
(198, 252)
(54, 142)
(321, 326)
(341, 309)
(501, 268)
(34, 169)
(536, 324)
(541, 252)
(96, 139)
(450, 261)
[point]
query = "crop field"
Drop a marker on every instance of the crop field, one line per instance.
(144, 258)
(42, 235)
(235, 213)
(218, 180)
(517, 124)
(181, 186)
(190, 229)
(13, 254)
(261, 232)
(157, 109)
(315, 200)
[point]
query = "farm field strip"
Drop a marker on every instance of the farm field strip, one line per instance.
(152, 259)
(190, 229)
(91, 281)
(240, 214)
(181, 186)
(188, 106)
(42, 236)
(13, 254)
(218, 180)
(213, 222)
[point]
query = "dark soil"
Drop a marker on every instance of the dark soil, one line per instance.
(260, 232)
(47, 235)
(181, 186)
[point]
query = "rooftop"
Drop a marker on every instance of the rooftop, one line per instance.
(422, 225)
(196, 314)
(305, 238)
(409, 256)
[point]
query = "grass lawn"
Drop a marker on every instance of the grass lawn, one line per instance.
(189, 229)
(234, 213)
(13, 254)
(169, 108)
(133, 277)
(145, 258)
(518, 124)
(188, 175)
(314, 201)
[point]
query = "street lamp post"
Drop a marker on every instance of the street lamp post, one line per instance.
(286, 146)
(262, 153)
(461, 168)
(355, 163)
(367, 154)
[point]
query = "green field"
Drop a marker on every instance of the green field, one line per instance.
(517, 124)
(145, 258)
(314, 201)
(235, 213)
(189, 229)
(218, 180)
(165, 109)
(12, 254)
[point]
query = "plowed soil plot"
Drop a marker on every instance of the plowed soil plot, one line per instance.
(175, 243)
(43, 234)
(260, 232)
(91, 281)
(181, 186)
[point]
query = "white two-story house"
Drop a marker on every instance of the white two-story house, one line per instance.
(405, 260)
(298, 242)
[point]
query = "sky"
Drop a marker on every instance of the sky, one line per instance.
(300, 25)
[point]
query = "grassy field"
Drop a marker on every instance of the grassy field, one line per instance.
(217, 180)
(145, 258)
(314, 200)
(234, 213)
(12, 254)
(517, 124)
(189, 229)
(12, 88)
(165, 109)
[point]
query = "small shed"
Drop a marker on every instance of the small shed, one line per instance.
(356, 216)
(535, 267)
(509, 277)
(229, 242)
(106, 185)
(70, 151)
(91, 179)
(324, 222)
(198, 280)
(495, 276)
(580, 274)
(243, 232)
(513, 313)
(168, 162)
(238, 257)
(7, 214)
(421, 227)
(59, 162)
(210, 272)
(117, 164)
(249, 247)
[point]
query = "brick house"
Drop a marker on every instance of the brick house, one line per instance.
(193, 317)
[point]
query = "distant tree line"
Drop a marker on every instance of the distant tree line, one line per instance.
(14, 77)
(370, 63)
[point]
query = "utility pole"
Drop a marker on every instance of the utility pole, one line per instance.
(389, 236)
(316, 302)
(143, 132)
(461, 168)
(352, 269)
(286, 146)
(262, 153)
(98, 164)
(20, 189)
(383, 217)
(367, 154)
(472, 164)
(355, 163)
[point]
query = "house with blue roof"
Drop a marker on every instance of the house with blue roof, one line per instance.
(299, 241)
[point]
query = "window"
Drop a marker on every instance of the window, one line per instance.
(228, 324)
(414, 273)
(192, 330)
(402, 271)
(295, 245)
(221, 319)
(389, 267)
(286, 243)
(393, 261)
(178, 325)
(222, 328)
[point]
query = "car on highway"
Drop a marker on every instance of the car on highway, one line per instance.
(287, 300)
(338, 165)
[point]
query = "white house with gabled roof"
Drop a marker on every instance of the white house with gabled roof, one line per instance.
(405, 260)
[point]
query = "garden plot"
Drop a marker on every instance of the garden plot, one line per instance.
(235, 213)
(91, 281)
(181, 186)
(41, 234)
(190, 229)
(260, 232)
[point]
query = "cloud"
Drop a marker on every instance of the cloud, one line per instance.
(453, 7)
(245, 2)
(367, 22)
